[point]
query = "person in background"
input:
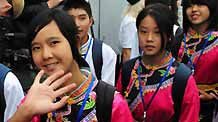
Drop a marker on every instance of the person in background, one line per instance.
(199, 50)
(128, 32)
(153, 82)
(11, 91)
(54, 47)
(172, 4)
(105, 70)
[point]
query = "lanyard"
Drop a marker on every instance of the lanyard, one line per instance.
(202, 50)
(90, 41)
(85, 99)
(204, 46)
(160, 83)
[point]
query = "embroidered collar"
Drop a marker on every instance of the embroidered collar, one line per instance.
(90, 83)
(79, 93)
(164, 61)
(193, 34)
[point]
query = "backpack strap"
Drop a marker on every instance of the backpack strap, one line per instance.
(3, 72)
(126, 73)
(104, 100)
(97, 57)
(179, 34)
(118, 67)
(178, 88)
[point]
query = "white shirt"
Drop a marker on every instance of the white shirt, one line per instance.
(13, 93)
(128, 36)
(109, 61)
(175, 27)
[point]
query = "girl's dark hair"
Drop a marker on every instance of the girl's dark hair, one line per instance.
(170, 3)
(66, 26)
(163, 17)
(78, 4)
(211, 4)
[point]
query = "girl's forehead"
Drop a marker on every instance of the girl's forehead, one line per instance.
(51, 26)
(49, 30)
(201, 2)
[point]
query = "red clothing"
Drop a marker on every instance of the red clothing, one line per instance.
(161, 108)
(120, 110)
(206, 67)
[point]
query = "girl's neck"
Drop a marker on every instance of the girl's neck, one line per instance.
(77, 76)
(155, 60)
(82, 79)
(201, 28)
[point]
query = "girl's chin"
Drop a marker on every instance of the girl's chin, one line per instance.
(50, 72)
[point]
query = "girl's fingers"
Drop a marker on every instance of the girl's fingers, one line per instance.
(205, 96)
(53, 77)
(214, 95)
(38, 77)
(201, 91)
(60, 103)
(60, 81)
(65, 89)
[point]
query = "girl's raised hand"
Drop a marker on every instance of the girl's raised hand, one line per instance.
(41, 96)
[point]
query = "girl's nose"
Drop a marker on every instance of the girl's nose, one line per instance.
(150, 36)
(194, 7)
(46, 54)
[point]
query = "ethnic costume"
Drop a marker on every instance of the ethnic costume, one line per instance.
(69, 112)
(200, 52)
(158, 107)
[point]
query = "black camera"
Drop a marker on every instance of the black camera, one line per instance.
(14, 51)
(13, 45)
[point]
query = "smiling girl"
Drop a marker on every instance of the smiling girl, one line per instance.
(199, 50)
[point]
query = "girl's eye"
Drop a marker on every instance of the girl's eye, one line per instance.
(157, 32)
(35, 48)
(53, 43)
